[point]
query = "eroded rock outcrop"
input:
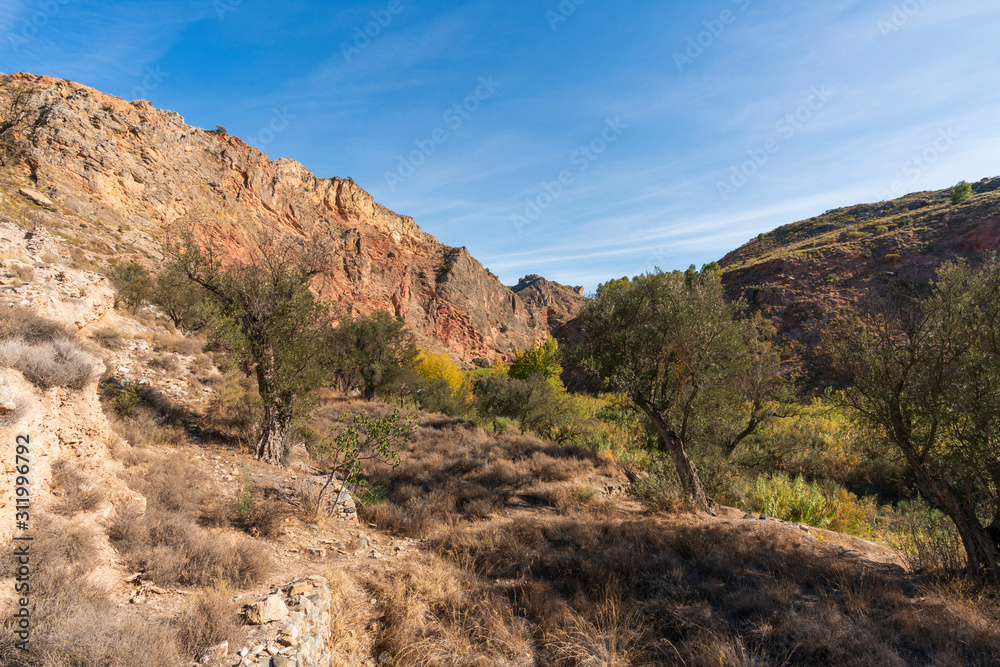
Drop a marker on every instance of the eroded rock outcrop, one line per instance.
(121, 173)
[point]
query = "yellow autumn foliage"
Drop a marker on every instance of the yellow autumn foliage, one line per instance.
(431, 366)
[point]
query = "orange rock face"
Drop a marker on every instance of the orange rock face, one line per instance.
(130, 167)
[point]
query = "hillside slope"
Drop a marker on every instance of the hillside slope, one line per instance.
(802, 274)
(118, 174)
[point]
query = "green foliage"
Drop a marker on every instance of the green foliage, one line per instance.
(372, 353)
(795, 500)
(264, 314)
(132, 284)
(221, 131)
(184, 302)
(961, 192)
(679, 350)
(362, 440)
(534, 404)
(15, 119)
(925, 383)
(436, 395)
(923, 536)
(542, 360)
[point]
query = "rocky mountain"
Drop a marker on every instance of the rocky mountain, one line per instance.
(801, 274)
(113, 176)
(559, 302)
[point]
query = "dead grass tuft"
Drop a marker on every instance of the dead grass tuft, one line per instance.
(25, 323)
(208, 619)
(73, 491)
(177, 344)
(108, 338)
(56, 363)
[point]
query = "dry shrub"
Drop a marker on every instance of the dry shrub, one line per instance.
(235, 410)
(164, 362)
(177, 344)
(74, 622)
(166, 541)
(108, 338)
(56, 363)
(433, 614)
(256, 515)
(25, 323)
(410, 519)
(23, 272)
(208, 619)
(74, 492)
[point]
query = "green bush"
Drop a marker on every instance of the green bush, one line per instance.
(924, 536)
(961, 192)
(797, 500)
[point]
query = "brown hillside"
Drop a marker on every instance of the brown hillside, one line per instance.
(802, 274)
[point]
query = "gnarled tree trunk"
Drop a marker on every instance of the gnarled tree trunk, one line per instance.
(981, 546)
(278, 413)
(671, 443)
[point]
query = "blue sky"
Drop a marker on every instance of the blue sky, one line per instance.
(578, 139)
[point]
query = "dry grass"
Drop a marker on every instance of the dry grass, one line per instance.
(108, 338)
(177, 344)
(166, 362)
(433, 614)
(350, 614)
(166, 541)
(454, 471)
(73, 492)
(56, 363)
(527, 567)
(23, 272)
(25, 323)
(74, 621)
(208, 619)
(652, 591)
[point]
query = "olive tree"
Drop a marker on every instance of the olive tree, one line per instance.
(264, 312)
(686, 359)
(924, 378)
